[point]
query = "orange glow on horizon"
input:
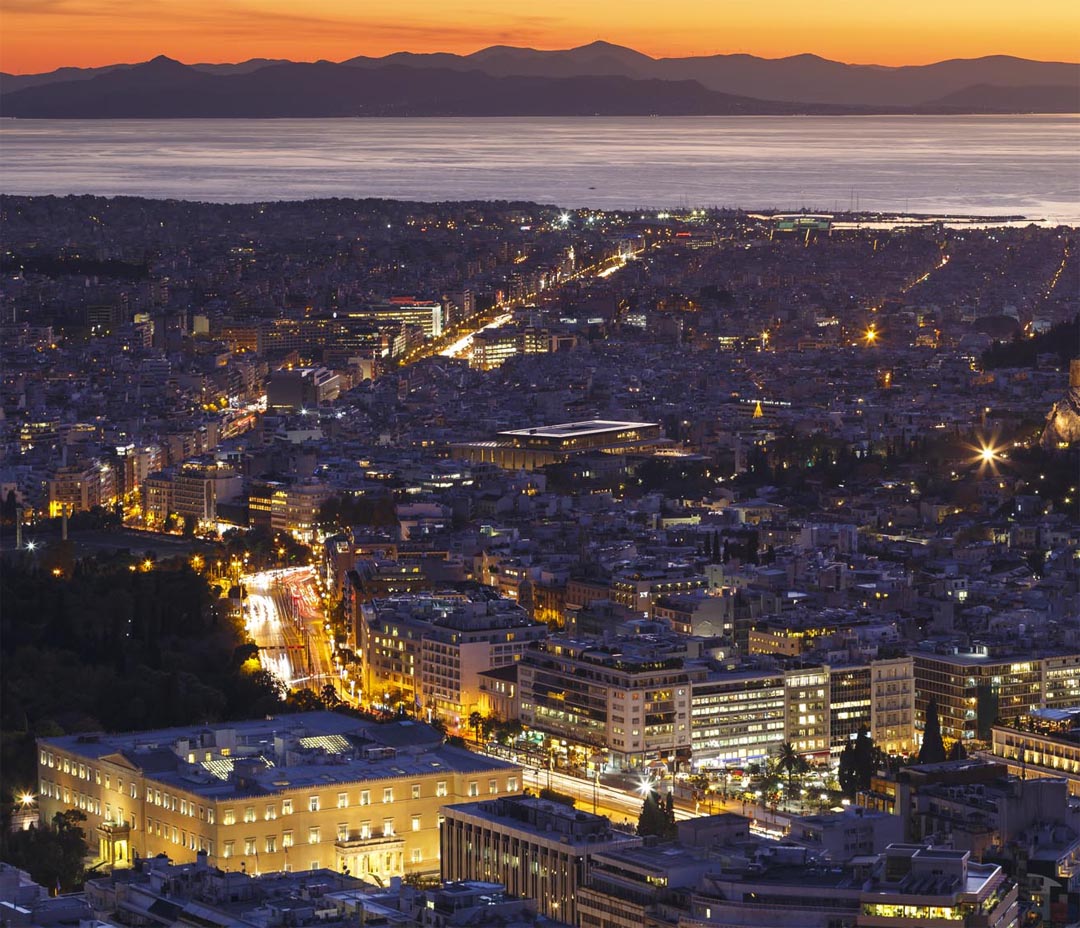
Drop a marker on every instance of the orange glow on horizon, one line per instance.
(40, 35)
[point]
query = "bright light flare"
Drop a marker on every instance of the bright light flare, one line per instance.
(26, 799)
(645, 786)
(871, 335)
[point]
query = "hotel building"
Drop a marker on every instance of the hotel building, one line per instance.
(432, 647)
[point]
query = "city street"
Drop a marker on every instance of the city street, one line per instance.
(283, 615)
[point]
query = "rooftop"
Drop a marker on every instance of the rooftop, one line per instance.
(570, 429)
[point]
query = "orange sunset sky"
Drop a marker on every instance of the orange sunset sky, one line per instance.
(39, 35)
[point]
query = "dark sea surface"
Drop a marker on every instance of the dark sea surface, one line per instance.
(970, 165)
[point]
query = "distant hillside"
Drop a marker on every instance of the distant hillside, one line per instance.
(166, 88)
(987, 98)
(599, 78)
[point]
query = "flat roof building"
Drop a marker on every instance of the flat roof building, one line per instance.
(532, 448)
(295, 792)
(537, 849)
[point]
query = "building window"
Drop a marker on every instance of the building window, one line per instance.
(416, 791)
(228, 852)
(249, 814)
(493, 786)
(228, 817)
(388, 794)
(313, 836)
(343, 831)
(388, 827)
(365, 797)
(313, 804)
(286, 807)
(343, 800)
(474, 788)
(440, 788)
(511, 785)
(249, 847)
(365, 830)
(271, 844)
(271, 813)
(286, 839)
(417, 855)
(416, 823)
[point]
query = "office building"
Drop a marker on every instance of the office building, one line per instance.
(977, 689)
(537, 849)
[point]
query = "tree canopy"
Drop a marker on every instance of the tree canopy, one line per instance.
(933, 747)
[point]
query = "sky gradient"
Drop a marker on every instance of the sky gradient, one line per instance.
(39, 35)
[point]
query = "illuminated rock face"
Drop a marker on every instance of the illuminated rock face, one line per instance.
(1063, 422)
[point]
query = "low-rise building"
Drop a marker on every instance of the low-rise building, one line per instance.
(297, 792)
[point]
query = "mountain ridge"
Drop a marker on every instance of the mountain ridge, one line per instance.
(615, 80)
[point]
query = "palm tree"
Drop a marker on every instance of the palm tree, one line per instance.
(475, 721)
(792, 762)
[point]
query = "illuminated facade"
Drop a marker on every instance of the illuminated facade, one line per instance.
(529, 449)
(80, 488)
(976, 690)
(291, 793)
(921, 886)
(737, 718)
(628, 700)
(429, 649)
(742, 716)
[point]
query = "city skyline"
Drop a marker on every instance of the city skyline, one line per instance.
(42, 36)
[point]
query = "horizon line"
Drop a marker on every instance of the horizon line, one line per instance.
(532, 48)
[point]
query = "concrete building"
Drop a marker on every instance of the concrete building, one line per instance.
(742, 715)
(1028, 753)
(298, 792)
(537, 849)
(294, 507)
(429, 649)
(737, 718)
(300, 388)
(977, 689)
(854, 832)
(532, 448)
(916, 886)
(78, 488)
(628, 700)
